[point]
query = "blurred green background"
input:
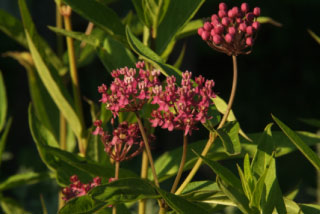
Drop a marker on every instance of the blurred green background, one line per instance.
(281, 76)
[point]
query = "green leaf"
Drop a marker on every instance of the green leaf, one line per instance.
(112, 53)
(245, 184)
(235, 196)
(310, 208)
(3, 102)
(10, 206)
(179, 13)
(229, 137)
(302, 146)
(190, 28)
(99, 14)
(124, 190)
(248, 171)
(23, 179)
(312, 122)
(50, 79)
(314, 36)
(14, 29)
(43, 104)
(181, 205)
(225, 174)
(3, 138)
(200, 186)
(81, 205)
(178, 62)
(269, 20)
(147, 54)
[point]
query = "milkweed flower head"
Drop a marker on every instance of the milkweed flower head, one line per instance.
(125, 143)
(77, 189)
(182, 107)
(130, 89)
(231, 31)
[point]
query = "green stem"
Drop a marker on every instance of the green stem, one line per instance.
(116, 176)
(144, 175)
(147, 149)
(183, 160)
(212, 136)
(74, 76)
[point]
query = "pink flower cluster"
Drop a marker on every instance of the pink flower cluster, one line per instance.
(77, 189)
(130, 88)
(231, 31)
(182, 107)
(123, 139)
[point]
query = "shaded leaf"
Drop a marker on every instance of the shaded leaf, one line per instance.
(99, 14)
(50, 79)
(181, 205)
(314, 36)
(200, 185)
(3, 138)
(302, 146)
(3, 102)
(124, 190)
(190, 28)
(178, 14)
(23, 179)
(10, 206)
(81, 205)
(312, 122)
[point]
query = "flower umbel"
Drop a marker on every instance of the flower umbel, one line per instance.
(77, 189)
(130, 88)
(182, 107)
(231, 31)
(124, 139)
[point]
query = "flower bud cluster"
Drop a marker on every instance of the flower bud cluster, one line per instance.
(231, 31)
(182, 107)
(130, 88)
(123, 140)
(77, 189)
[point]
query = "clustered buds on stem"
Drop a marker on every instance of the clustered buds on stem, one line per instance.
(182, 107)
(77, 189)
(130, 88)
(231, 31)
(124, 138)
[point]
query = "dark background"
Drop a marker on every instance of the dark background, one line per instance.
(281, 76)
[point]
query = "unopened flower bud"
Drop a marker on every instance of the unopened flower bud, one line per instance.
(214, 17)
(232, 30)
(74, 178)
(218, 29)
(207, 26)
(223, 6)
(205, 35)
(256, 25)
(249, 41)
(244, 7)
(235, 11)
(230, 13)
(243, 27)
(222, 13)
(228, 37)
(225, 21)
(250, 17)
(217, 39)
(200, 31)
(249, 30)
(256, 11)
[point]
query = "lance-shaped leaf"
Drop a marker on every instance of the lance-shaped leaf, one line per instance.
(3, 138)
(111, 52)
(178, 14)
(302, 146)
(23, 179)
(314, 36)
(99, 14)
(180, 204)
(230, 137)
(48, 76)
(13, 27)
(124, 190)
(3, 102)
(11, 206)
(81, 205)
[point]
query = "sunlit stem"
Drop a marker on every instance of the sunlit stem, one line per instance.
(183, 160)
(66, 13)
(213, 136)
(116, 176)
(144, 175)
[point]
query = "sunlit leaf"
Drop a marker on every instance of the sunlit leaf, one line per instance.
(230, 138)
(314, 36)
(3, 103)
(269, 20)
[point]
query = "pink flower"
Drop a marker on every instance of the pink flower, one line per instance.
(231, 31)
(126, 141)
(77, 189)
(182, 107)
(130, 89)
